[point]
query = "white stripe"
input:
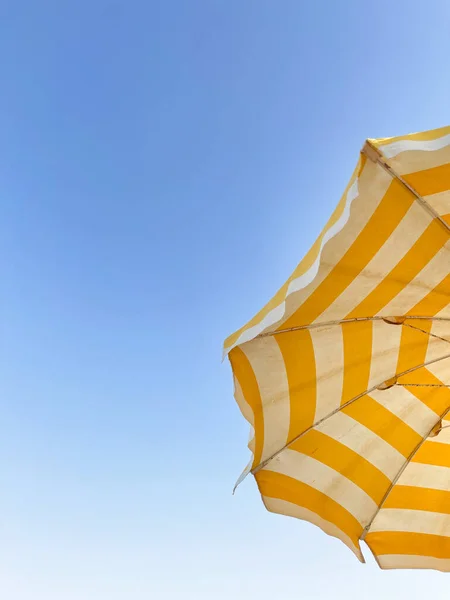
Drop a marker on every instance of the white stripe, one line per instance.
(400, 561)
(429, 277)
(426, 476)
(289, 509)
(242, 402)
(326, 480)
(266, 360)
(405, 235)
(248, 414)
(411, 521)
(244, 474)
(412, 162)
(329, 356)
(403, 404)
(273, 317)
(305, 279)
(364, 442)
(385, 348)
(444, 312)
(437, 347)
(439, 202)
(395, 148)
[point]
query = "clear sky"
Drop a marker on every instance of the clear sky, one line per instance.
(164, 166)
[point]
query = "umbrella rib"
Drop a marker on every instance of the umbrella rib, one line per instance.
(354, 320)
(266, 461)
(438, 337)
(400, 473)
(376, 155)
(439, 385)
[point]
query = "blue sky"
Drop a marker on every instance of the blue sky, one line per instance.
(164, 166)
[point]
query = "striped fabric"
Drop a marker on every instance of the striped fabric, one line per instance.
(344, 374)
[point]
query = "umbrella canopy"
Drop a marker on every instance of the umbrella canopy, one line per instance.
(344, 375)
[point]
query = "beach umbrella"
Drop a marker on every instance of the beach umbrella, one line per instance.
(344, 376)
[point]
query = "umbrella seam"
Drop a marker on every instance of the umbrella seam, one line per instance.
(438, 337)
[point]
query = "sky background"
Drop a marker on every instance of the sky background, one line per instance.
(163, 168)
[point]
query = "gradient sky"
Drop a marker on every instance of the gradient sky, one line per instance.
(164, 166)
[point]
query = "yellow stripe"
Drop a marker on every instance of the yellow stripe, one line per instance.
(419, 255)
(345, 461)
(357, 338)
(416, 498)
(298, 355)
(275, 485)
(383, 423)
(305, 264)
(435, 301)
(379, 228)
(436, 398)
(422, 136)
(430, 181)
(246, 377)
(433, 453)
(416, 544)
(413, 346)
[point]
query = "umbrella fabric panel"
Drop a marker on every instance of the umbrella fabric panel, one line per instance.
(289, 382)
(342, 469)
(337, 473)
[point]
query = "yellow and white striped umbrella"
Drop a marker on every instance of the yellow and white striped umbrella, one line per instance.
(344, 375)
